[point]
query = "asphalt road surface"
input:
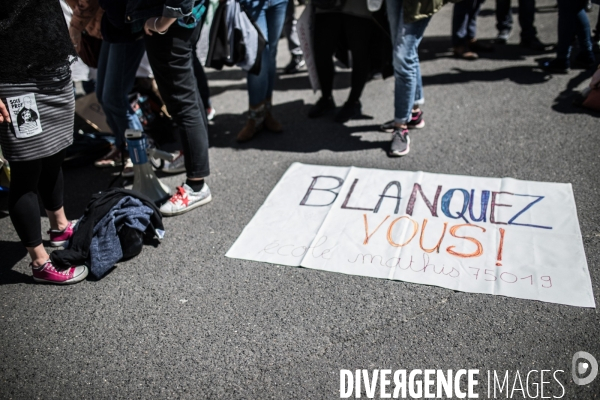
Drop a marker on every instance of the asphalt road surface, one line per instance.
(183, 321)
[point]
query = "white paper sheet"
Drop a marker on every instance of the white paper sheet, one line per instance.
(481, 235)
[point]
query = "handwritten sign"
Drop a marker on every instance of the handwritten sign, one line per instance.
(481, 235)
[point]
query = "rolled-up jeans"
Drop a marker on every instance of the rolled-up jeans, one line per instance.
(269, 15)
(171, 59)
(117, 65)
(408, 90)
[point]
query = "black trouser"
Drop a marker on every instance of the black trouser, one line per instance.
(202, 81)
(171, 58)
(504, 20)
(28, 179)
(331, 29)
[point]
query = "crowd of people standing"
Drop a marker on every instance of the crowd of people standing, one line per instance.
(371, 36)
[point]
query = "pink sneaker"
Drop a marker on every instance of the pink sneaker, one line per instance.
(60, 238)
(47, 273)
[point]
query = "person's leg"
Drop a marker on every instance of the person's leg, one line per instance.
(358, 34)
(122, 61)
(504, 18)
(584, 37)
(460, 22)
(327, 30)
(24, 210)
(419, 96)
(289, 30)
(567, 21)
(101, 71)
(406, 73)
(275, 17)
(472, 19)
(406, 68)
(51, 189)
(526, 19)
(202, 81)
(170, 56)
(257, 84)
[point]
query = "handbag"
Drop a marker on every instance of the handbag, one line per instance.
(89, 50)
(235, 39)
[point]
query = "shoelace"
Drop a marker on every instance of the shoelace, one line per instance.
(179, 195)
(399, 132)
(52, 268)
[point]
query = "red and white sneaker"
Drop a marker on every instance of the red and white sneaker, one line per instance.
(185, 199)
(48, 273)
(60, 238)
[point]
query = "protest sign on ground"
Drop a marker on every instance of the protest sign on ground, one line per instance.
(481, 235)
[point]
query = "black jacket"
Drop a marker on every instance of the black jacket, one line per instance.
(129, 11)
(100, 204)
(123, 20)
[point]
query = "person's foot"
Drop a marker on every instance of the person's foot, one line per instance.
(321, 107)
(465, 54)
(400, 145)
(210, 113)
(177, 166)
(111, 159)
(348, 111)
(48, 273)
(503, 36)
(295, 65)
(556, 66)
(185, 199)
(584, 61)
(254, 124)
(533, 43)
(271, 124)
(60, 238)
(479, 47)
(416, 122)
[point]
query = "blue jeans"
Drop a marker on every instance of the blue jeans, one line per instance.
(408, 90)
(117, 65)
(464, 21)
(269, 15)
(573, 20)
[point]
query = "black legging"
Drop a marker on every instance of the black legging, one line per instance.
(29, 178)
(332, 28)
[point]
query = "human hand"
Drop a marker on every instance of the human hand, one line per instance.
(4, 115)
(75, 35)
(159, 25)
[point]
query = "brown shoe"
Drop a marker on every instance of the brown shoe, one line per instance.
(270, 122)
(254, 124)
(464, 53)
(477, 46)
